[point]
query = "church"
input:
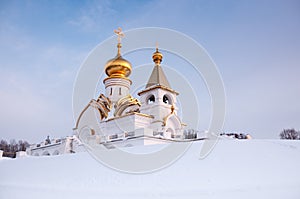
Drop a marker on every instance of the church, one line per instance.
(127, 121)
(117, 119)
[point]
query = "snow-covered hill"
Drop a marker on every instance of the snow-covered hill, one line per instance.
(234, 169)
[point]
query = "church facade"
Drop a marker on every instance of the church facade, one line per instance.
(126, 121)
(123, 120)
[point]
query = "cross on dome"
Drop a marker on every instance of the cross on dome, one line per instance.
(120, 34)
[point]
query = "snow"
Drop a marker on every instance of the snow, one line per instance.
(234, 169)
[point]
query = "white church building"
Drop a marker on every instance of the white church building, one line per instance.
(123, 120)
(127, 121)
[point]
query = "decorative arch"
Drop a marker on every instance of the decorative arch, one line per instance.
(46, 153)
(103, 104)
(169, 132)
(172, 121)
(125, 105)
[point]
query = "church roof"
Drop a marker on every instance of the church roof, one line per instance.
(158, 77)
(158, 86)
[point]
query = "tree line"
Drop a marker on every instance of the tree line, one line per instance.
(11, 148)
(290, 134)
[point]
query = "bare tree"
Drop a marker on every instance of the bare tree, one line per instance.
(3, 145)
(9, 150)
(22, 145)
(190, 134)
(290, 134)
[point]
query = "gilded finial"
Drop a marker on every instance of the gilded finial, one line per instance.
(157, 56)
(120, 35)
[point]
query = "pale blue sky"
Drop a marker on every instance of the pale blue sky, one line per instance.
(255, 44)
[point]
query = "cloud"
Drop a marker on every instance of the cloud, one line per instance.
(86, 22)
(94, 16)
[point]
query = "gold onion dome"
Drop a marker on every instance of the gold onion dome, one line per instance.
(157, 57)
(118, 67)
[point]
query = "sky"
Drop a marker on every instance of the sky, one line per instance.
(255, 45)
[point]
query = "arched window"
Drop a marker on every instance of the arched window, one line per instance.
(110, 91)
(120, 93)
(46, 153)
(151, 99)
(166, 99)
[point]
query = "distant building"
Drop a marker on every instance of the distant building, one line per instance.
(70, 144)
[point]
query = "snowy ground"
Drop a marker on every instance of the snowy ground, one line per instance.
(234, 169)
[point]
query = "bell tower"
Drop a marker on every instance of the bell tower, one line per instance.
(159, 100)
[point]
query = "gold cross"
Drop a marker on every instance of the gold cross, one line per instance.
(120, 34)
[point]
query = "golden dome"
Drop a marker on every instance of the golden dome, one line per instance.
(157, 57)
(118, 67)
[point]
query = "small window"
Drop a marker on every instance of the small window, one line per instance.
(151, 99)
(110, 91)
(166, 100)
(120, 93)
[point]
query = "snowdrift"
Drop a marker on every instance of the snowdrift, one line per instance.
(234, 169)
